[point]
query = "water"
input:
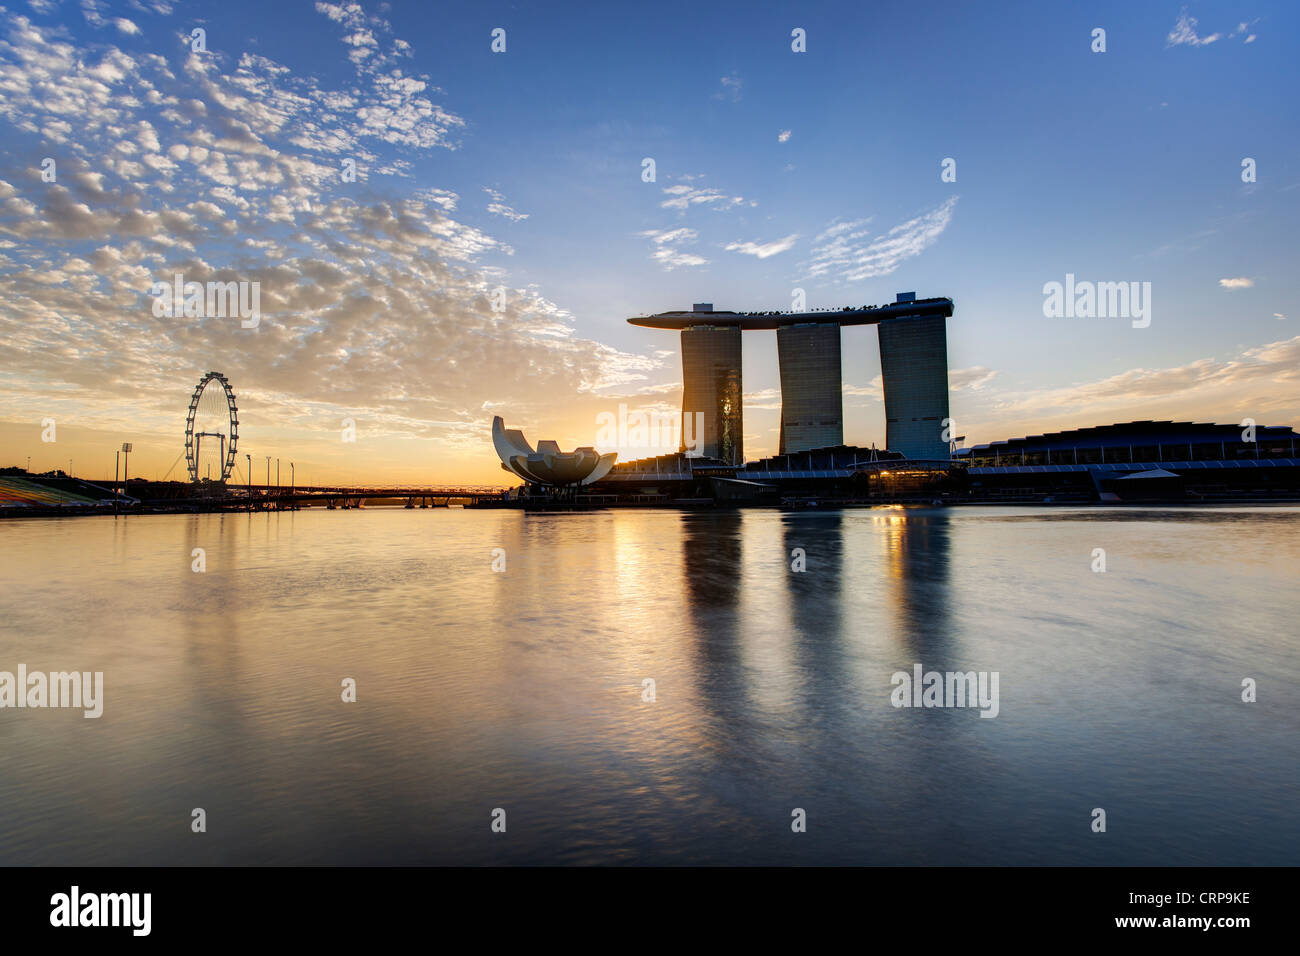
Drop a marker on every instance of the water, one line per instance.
(523, 690)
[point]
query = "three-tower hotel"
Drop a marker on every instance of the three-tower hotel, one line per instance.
(913, 362)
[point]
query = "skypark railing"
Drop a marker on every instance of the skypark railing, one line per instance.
(755, 321)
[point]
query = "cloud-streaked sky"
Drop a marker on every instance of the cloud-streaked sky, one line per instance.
(774, 170)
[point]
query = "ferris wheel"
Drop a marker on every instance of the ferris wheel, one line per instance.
(212, 414)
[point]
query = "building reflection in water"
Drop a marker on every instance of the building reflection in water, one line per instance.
(711, 565)
(906, 574)
(815, 597)
(915, 546)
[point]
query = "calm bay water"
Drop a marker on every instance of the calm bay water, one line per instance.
(523, 690)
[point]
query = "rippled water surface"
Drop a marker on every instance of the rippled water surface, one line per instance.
(523, 690)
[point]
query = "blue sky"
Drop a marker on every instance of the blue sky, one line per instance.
(775, 170)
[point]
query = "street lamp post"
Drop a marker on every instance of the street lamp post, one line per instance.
(250, 483)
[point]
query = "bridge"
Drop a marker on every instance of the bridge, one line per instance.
(344, 496)
(273, 497)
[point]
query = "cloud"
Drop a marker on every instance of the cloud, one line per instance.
(764, 250)
(974, 378)
(1184, 33)
(506, 212)
(783, 136)
(1278, 315)
(660, 236)
(766, 398)
(667, 248)
(1242, 28)
(874, 390)
(959, 379)
(683, 197)
(672, 258)
(499, 208)
(444, 198)
(1239, 283)
(842, 250)
(1259, 382)
(732, 85)
(374, 300)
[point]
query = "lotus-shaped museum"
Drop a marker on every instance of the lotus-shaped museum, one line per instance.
(548, 465)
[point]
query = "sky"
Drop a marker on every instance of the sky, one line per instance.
(502, 223)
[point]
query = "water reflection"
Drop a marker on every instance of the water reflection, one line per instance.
(523, 688)
(816, 608)
(915, 547)
(712, 554)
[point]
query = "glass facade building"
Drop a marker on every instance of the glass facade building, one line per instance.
(712, 387)
(812, 409)
(914, 365)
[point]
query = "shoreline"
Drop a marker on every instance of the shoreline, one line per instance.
(691, 506)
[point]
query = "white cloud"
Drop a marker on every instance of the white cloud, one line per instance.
(763, 250)
(783, 136)
(974, 378)
(506, 212)
(1238, 283)
(499, 208)
(672, 258)
(683, 197)
(768, 398)
(875, 389)
(667, 248)
(374, 302)
(444, 198)
(1184, 33)
(661, 236)
(1242, 28)
(1262, 379)
(845, 251)
(732, 85)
